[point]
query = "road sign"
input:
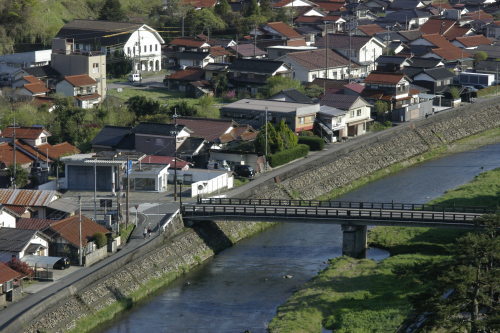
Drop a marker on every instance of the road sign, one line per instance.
(136, 207)
(129, 167)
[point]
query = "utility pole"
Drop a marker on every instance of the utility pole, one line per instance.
(80, 257)
(266, 141)
(127, 195)
(140, 60)
(175, 153)
(326, 54)
(14, 169)
(95, 189)
(254, 40)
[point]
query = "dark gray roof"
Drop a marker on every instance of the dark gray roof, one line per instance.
(104, 33)
(216, 67)
(255, 66)
(423, 62)
(419, 50)
(342, 102)
(190, 145)
(402, 16)
(156, 129)
(42, 71)
(248, 50)
(111, 136)
(404, 4)
(390, 36)
(397, 60)
(410, 35)
(331, 111)
(337, 41)
(439, 73)
(307, 29)
(412, 71)
(14, 240)
(488, 65)
(193, 55)
(294, 96)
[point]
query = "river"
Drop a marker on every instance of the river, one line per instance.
(241, 287)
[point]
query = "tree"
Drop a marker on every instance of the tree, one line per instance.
(204, 21)
(222, 8)
(100, 239)
(480, 56)
(289, 138)
(112, 11)
(275, 84)
(118, 64)
(313, 91)
(20, 266)
(274, 141)
(143, 106)
(21, 178)
(220, 83)
(454, 92)
(381, 109)
(183, 109)
(252, 9)
(464, 291)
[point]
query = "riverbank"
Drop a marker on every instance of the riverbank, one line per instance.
(366, 296)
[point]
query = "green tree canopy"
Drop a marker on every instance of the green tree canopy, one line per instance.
(275, 84)
(252, 9)
(112, 11)
(143, 106)
(21, 178)
(480, 56)
(222, 8)
(117, 64)
(204, 21)
(289, 138)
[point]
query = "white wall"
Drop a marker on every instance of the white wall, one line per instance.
(213, 185)
(7, 220)
(150, 48)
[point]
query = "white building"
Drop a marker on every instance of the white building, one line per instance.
(27, 59)
(138, 41)
(82, 87)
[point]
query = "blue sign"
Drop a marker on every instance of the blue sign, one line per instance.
(129, 167)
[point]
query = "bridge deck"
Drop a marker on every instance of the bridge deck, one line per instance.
(337, 215)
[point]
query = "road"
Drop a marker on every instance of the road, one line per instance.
(148, 81)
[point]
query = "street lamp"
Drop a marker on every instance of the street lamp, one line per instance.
(175, 152)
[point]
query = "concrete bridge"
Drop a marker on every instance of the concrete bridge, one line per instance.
(354, 217)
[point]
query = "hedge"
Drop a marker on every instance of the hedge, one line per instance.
(314, 142)
(288, 155)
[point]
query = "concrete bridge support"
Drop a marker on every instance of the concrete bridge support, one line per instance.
(354, 240)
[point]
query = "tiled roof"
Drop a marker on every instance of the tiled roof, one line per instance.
(58, 150)
(255, 66)
(14, 240)
(451, 53)
(33, 224)
(371, 29)
(218, 51)
(21, 145)
(7, 273)
(156, 129)
(7, 158)
(437, 40)
(188, 74)
(339, 101)
(330, 6)
(248, 50)
(88, 97)
(31, 79)
(439, 73)
(471, 41)
(200, 3)
(284, 29)
(294, 96)
(209, 129)
(111, 136)
(27, 198)
(316, 19)
(316, 59)
(455, 32)
(155, 159)
(478, 15)
(338, 41)
(36, 88)
(187, 42)
(80, 80)
(384, 78)
(18, 210)
(68, 229)
(356, 87)
(30, 133)
(436, 26)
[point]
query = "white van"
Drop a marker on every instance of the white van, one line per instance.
(134, 77)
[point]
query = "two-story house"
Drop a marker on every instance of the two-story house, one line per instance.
(139, 42)
(364, 50)
(437, 80)
(322, 63)
(82, 87)
(248, 75)
(353, 121)
(278, 33)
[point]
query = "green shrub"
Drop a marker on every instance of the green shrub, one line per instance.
(288, 155)
(314, 142)
(100, 239)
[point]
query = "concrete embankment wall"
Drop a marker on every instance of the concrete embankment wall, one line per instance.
(166, 257)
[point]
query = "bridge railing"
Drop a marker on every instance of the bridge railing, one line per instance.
(327, 212)
(344, 204)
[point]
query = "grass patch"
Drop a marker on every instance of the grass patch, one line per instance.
(239, 181)
(353, 295)
(125, 232)
(489, 91)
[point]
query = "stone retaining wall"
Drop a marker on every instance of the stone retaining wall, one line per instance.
(171, 257)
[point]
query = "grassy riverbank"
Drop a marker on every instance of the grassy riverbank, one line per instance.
(367, 296)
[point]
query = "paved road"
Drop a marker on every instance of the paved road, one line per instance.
(149, 81)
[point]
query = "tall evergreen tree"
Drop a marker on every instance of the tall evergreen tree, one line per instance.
(252, 9)
(222, 8)
(112, 11)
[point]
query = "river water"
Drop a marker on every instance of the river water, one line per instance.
(241, 287)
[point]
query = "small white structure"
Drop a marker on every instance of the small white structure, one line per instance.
(19, 242)
(149, 177)
(27, 59)
(203, 181)
(7, 218)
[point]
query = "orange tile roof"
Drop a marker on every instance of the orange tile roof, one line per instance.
(19, 210)
(209, 129)
(36, 88)
(33, 224)
(455, 32)
(471, 41)
(7, 157)
(478, 15)
(284, 29)
(58, 150)
(80, 80)
(218, 51)
(88, 97)
(436, 26)
(316, 19)
(451, 53)
(371, 29)
(68, 229)
(330, 6)
(30, 150)
(188, 74)
(383, 78)
(7, 273)
(187, 42)
(30, 133)
(32, 79)
(281, 3)
(437, 40)
(200, 3)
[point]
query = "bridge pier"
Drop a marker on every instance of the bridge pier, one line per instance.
(354, 240)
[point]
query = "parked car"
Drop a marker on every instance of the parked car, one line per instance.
(62, 263)
(134, 77)
(244, 170)
(218, 165)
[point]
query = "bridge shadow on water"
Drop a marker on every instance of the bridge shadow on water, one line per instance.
(212, 235)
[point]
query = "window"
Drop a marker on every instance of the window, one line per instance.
(43, 139)
(145, 48)
(150, 48)
(358, 112)
(352, 114)
(156, 47)
(301, 120)
(128, 50)
(95, 67)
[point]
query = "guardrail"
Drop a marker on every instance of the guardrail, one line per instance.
(318, 212)
(344, 204)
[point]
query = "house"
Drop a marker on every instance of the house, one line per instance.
(194, 59)
(293, 3)
(35, 202)
(448, 28)
(82, 87)
(357, 114)
(66, 240)
(405, 19)
(279, 31)
(247, 51)
(471, 42)
(34, 135)
(493, 30)
(330, 123)
(33, 90)
(364, 50)
(330, 23)
(248, 75)
(369, 30)
(387, 63)
(489, 67)
(276, 51)
(159, 139)
(36, 58)
(292, 95)
(8, 158)
(7, 217)
(182, 44)
(309, 65)
(182, 80)
(8, 276)
(139, 42)
(438, 47)
(437, 80)
(299, 117)
(199, 4)
(16, 243)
